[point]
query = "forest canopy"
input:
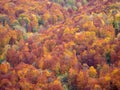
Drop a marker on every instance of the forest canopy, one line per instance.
(59, 45)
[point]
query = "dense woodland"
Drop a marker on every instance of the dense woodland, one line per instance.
(59, 45)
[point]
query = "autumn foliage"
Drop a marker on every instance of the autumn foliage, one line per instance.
(59, 45)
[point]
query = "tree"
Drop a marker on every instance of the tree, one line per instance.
(92, 72)
(81, 80)
(4, 19)
(4, 67)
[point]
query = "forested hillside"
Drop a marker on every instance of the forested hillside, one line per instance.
(59, 45)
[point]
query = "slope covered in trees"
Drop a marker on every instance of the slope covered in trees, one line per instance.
(59, 45)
